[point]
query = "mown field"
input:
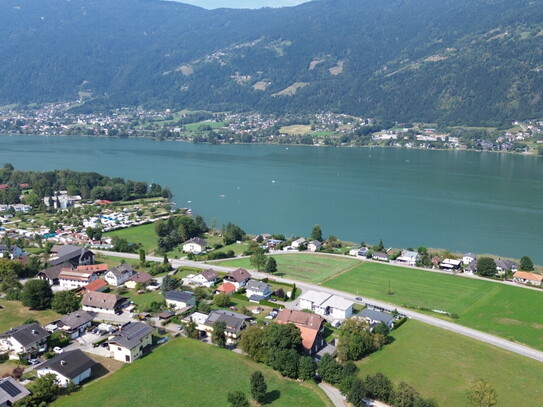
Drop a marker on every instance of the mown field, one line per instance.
(304, 267)
(186, 372)
(144, 234)
(13, 314)
(511, 312)
(442, 365)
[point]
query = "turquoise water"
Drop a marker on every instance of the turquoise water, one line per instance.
(460, 200)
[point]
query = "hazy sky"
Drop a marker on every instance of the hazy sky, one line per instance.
(211, 4)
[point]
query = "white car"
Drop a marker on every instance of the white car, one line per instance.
(58, 350)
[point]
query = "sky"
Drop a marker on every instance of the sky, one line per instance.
(211, 4)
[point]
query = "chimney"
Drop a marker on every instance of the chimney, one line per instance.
(34, 332)
(63, 362)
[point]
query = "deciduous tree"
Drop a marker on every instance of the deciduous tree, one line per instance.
(65, 302)
(482, 394)
(218, 336)
(37, 294)
(237, 399)
(526, 264)
(486, 266)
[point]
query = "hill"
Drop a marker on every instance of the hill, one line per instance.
(452, 62)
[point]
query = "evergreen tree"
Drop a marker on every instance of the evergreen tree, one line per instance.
(316, 233)
(258, 386)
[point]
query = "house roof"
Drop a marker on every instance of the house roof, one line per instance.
(254, 285)
(102, 300)
(122, 269)
(239, 275)
(337, 302)
(316, 297)
(505, 264)
(75, 319)
(308, 336)
(52, 272)
(97, 268)
(528, 276)
(131, 334)
(142, 277)
(180, 296)
(209, 274)
(299, 318)
(69, 364)
(380, 255)
(375, 315)
(227, 288)
(11, 391)
(27, 334)
(96, 285)
(299, 241)
(315, 243)
(473, 256)
(69, 274)
(69, 252)
(196, 240)
(233, 321)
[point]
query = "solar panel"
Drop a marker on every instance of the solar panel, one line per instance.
(9, 388)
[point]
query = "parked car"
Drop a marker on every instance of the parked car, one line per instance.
(358, 298)
(58, 350)
(33, 361)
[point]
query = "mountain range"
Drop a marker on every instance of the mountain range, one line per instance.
(468, 62)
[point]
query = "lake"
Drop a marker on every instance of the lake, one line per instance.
(459, 200)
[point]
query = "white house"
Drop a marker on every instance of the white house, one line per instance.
(298, 242)
(524, 277)
(75, 323)
(314, 246)
(408, 257)
(131, 341)
(326, 304)
(238, 278)
(381, 256)
(195, 245)
(257, 290)
(450, 264)
(119, 275)
(374, 317)
(339, 307)
(106, 303)
(70, 279)
(180, 299)
(206, 278)
(468, 258)
(68, 366)
(29, 340)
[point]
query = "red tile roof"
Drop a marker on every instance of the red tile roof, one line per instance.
(96, 285)
(228, 288)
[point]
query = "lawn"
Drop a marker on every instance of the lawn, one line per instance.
(14, 314)
(442, 365)
(510, 312)
(185, 372)
(144, 234)
(304, 267)
(144, 300)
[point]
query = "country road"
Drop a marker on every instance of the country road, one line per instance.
(459, 329)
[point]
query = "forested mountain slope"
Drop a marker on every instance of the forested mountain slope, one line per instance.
(448, 61)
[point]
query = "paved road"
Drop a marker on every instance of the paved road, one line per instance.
(333, 394)
(459, 329)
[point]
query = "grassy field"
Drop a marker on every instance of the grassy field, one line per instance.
(196, 126)
(304, 267)
(510, 312)
(442, 365)
(144, 234)
(14, 314)
(296, 129)
(185, 372)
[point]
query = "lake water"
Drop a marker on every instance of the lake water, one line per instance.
(460, 200)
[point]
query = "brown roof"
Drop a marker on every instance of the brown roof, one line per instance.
(227, 288)
(528, 276)
(239, 275)
(96, 285)
(53, 272)
(142, 277)
(209, 274)
(300, 319)
(102, 300)
(97, 268)
(68, 274)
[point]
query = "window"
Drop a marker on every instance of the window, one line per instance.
(127, 357)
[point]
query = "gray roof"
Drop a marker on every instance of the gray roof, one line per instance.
(209, 274)
(196, 240)
(11, 391)
(506, 264)
(27, 334)
(375, 315)
(238, 275)
(52, 272)
(131, 334)
(69, 252)
(69, 364)
(121, 269)
(75, 319)
(254, 285)
(181, 296)
(233, 321)
(102, 300)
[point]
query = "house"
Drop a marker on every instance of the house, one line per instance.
(75, 323)
(180, 299)
(502, 266)
(98, 285)
(51, 273)
(206, 278)
(235, 323)
(380, 256)
(374, 317)
(238, 277)
(326, 304)
(468, 258)
(195, 245)
(70, 279)
(70, 366)
(28, 340)
(131, 341)
(16, 252)
(524, 277)
(310, 326)
(258, 290)
(119, 275)
(11, 391)
(450, 264)
(359, 251)
(96, 268)
(314, 246)
(142, 277)
(298, 242)
(471, 268)
(408, 257)
(227, 288)
(75, 255)
(103, 302)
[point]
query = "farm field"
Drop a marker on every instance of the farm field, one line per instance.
(511, 312)
(185, 372)
(144, 234)
(442, 365)
(304, 267)
(14, 314)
